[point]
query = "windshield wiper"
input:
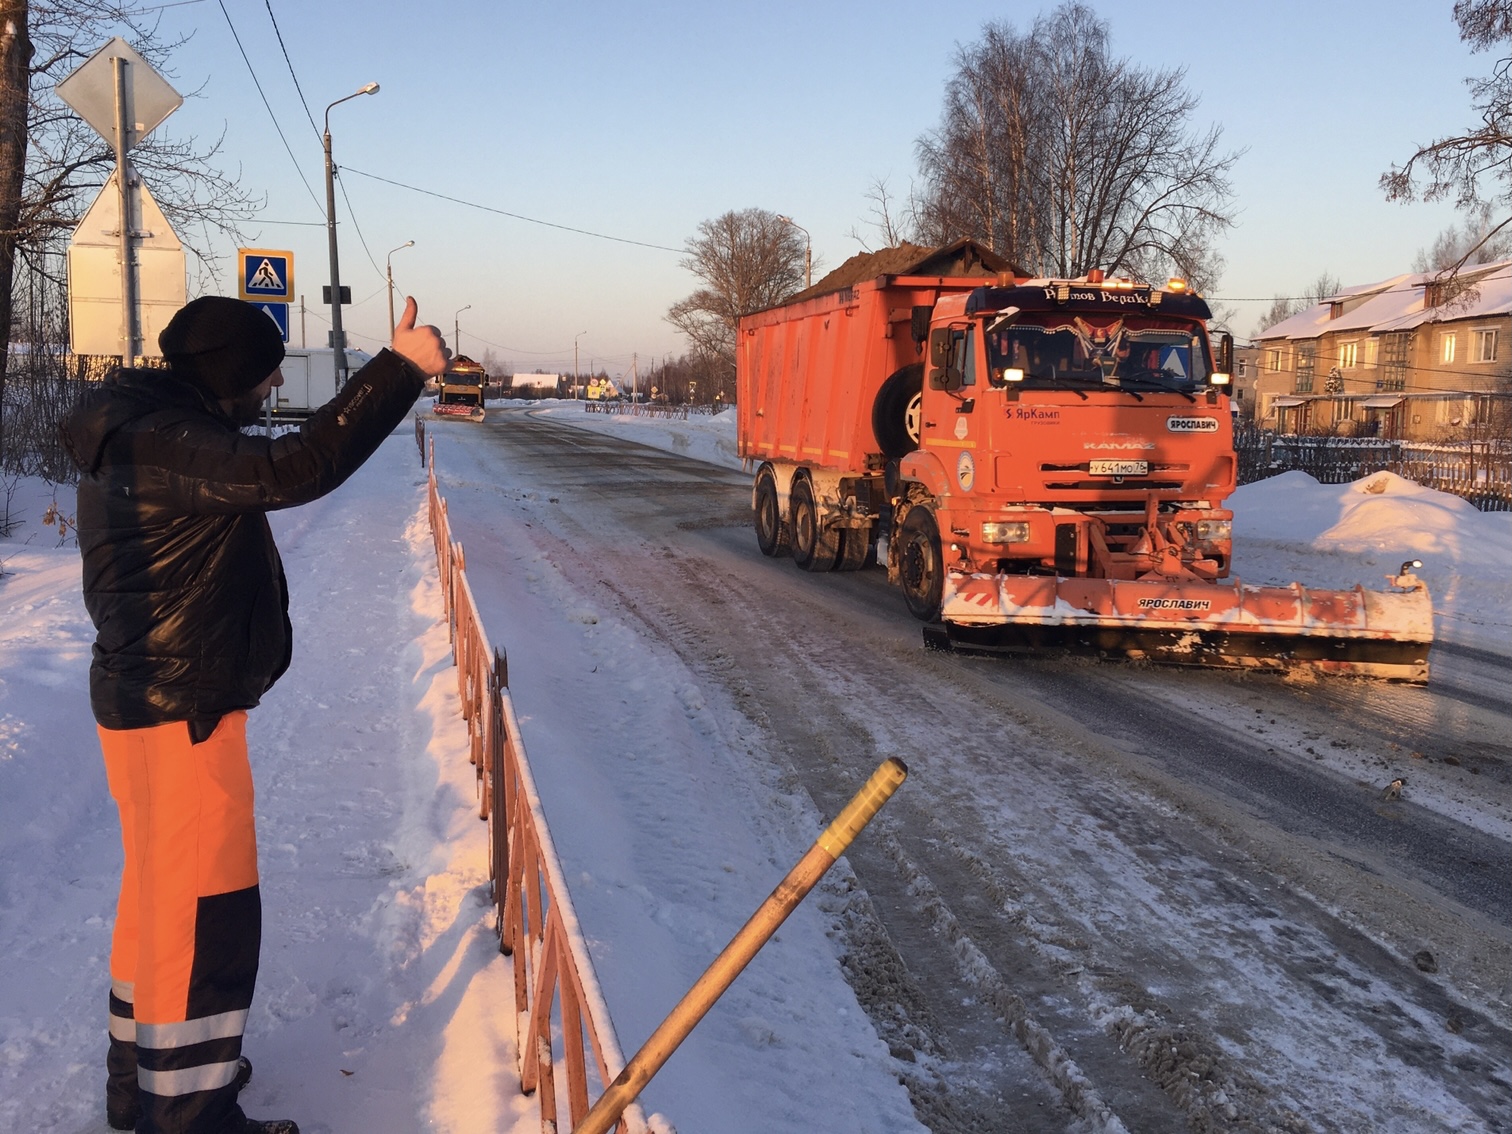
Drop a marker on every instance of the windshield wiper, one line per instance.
(1161, 380)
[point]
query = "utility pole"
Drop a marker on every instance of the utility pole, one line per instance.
(338, 336)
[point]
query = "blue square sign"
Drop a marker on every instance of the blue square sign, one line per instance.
(265, 273)
(279, 313)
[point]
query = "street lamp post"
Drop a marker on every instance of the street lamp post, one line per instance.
(457, 329)
(575, 338)
(808, 252)
(338, 336)
(389, 270)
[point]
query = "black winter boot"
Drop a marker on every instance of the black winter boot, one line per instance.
(122, 1114)
(270, 1126)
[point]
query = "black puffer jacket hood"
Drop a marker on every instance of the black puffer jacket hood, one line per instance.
(181, 575)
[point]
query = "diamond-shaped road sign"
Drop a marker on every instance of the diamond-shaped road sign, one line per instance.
(91, 91)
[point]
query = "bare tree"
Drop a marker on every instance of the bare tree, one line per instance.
(1475, 241)
(748, 260)
(1459, 167)
(890, 223)
(1283, 307)
(1064, 158)
(52, 164)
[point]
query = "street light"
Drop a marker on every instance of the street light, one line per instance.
(389, 268)
(338, 337)
(808, 252)
(457, 330)
(575, 338)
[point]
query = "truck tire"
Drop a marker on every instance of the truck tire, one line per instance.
(815, 547)
(921, 569)
(773, 535)
(895, 412)
(857, 548)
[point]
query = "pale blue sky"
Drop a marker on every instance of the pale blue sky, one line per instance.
(639, 121)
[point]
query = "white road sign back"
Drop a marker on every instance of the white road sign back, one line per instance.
(91, 91)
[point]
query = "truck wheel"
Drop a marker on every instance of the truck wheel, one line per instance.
(920, 568)
(856, 549)
(895, 413)
(772, 533)
(815, 547)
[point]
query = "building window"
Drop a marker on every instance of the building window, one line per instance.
(1483, 346)
(1446, 352)
(1372, 351)
(1349, 355)
(1240, 366)
(1394, 350)
(1306, 354)
(1273, 360)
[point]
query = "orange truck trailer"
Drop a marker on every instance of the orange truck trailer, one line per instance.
(1040, 464)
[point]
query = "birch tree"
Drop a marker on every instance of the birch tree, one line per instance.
(1063, 157)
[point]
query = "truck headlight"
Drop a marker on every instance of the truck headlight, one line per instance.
(1215, 529)
(998, 531)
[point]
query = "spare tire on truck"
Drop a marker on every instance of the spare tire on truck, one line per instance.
(895, 412)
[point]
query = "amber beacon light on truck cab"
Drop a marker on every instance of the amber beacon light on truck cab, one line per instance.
(1039, 463)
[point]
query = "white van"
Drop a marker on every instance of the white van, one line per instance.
(309, 380)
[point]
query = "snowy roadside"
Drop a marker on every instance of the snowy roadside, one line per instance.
(383, 1004)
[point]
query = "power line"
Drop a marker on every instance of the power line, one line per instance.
(253, 72)
(290, 64)
(516, 216)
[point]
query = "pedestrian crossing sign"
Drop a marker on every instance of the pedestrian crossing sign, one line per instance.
(265, 273)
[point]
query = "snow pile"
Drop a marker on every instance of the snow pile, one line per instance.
(1291, 528)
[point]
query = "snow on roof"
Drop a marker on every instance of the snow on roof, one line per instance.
(1490, 294)
(1397, 304)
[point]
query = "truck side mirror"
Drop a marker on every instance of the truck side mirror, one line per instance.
(944, 372)
(1226, 353)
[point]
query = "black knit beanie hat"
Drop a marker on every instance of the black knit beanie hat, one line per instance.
(224, 345)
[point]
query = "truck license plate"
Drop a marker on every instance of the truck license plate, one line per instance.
(1119, 468)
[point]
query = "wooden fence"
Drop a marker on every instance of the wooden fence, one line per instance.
(1480, 472)
(562, 1020)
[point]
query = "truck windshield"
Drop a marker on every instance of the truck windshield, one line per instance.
(1142, 354)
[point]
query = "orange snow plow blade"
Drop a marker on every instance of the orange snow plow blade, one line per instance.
(1383, 634)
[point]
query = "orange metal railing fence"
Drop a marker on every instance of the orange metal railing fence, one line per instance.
(562, 1020)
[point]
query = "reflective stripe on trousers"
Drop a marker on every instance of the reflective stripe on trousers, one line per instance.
(183, 958)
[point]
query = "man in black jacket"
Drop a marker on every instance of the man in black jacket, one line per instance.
(188, 598)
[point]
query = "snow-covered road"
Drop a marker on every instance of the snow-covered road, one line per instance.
(1108, 897)
(1145, 884)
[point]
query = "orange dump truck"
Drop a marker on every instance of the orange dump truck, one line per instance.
(1039, 463)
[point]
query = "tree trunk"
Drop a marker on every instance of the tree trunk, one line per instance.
(15, 64)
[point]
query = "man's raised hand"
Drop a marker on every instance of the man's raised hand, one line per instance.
(422, 345)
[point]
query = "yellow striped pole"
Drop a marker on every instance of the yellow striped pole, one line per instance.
(738, 953)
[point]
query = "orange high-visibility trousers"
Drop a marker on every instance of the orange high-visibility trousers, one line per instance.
(183, 957)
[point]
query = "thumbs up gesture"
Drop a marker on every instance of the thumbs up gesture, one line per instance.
(422, 345)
